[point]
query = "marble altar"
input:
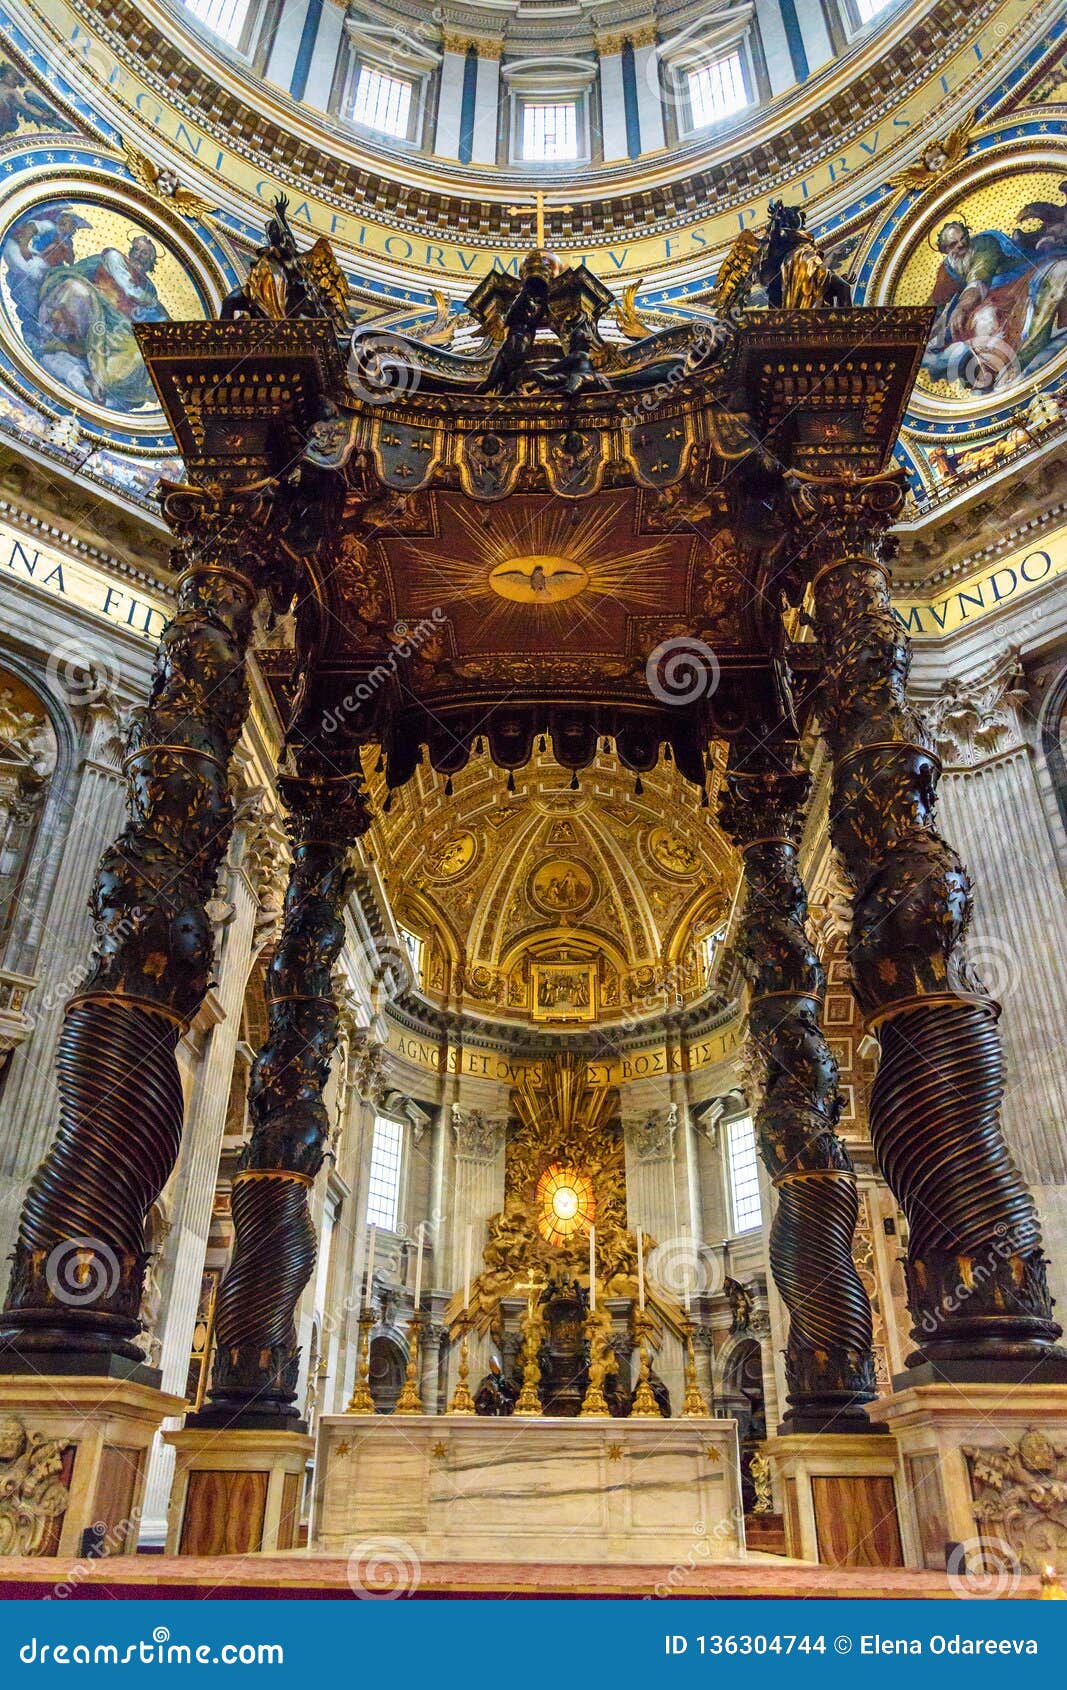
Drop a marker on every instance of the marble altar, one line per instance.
(510, 1490)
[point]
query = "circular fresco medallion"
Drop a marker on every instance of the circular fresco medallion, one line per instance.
(670, 852)
(561, 887)
(451, 856)
(77, 274)
(992, 261)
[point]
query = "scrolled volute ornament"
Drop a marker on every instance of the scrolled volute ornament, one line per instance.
(846, 515)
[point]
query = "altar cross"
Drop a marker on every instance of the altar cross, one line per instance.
(533, 1286)
(538, 209)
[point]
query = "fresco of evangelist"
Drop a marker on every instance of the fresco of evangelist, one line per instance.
(75, 278)
(23, 109)
(996, 272)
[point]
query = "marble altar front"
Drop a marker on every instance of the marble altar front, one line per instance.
(512, 1490)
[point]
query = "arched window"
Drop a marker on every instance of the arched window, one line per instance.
(224, 18)
(383, 1191)
(743, 1168)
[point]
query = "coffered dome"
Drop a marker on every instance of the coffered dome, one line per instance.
(565, 901)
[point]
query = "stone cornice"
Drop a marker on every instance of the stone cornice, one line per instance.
(414, 1015)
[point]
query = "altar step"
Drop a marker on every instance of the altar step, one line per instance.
(294, 1577)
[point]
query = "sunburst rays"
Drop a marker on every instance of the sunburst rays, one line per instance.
(599, 543)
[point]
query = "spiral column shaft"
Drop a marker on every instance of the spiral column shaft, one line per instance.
(78, 1271)
(257, 1356)
(975, 1267)
(828, 1359)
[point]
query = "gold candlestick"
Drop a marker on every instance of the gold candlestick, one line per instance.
(462, 1401)
(528, 1404)
(362, 1401)
(694, 1406)
(644, 1405)
(409, 1401)
(601, 1356)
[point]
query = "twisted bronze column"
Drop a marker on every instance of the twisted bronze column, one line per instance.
(257, 1357)
(79, 1260)
(975, 1266)
(828, 1360)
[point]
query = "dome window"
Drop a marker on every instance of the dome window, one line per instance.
(743, 1166)
(383, 1182)
(224, 18)
(382, 102)
(550, 132)
(716, 90)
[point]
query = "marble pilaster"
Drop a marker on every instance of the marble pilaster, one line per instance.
(28, 1108)
(197, 1172)
(649, 101)
(990, 801)
(612, 107)
(486, 102)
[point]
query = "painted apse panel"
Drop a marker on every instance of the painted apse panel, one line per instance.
(77, 273)
(24, 109)
(994, 266)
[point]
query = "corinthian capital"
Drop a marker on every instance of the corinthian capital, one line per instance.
(478, 1136)
(325, 809)
(209, 520)
(841, 515)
